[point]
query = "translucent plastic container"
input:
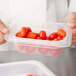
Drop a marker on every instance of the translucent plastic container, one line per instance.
(24, 68)
(36, 46)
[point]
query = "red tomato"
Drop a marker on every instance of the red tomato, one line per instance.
(38, 35)
(30, 49)
(42, 35)
(43, 51)
(28, 29)
(32, 35)
(38, 38)
(29, 75)
(60, 38)
(17, 34)
(23, 32)
(53, 36)
(20, 48)
(56, 39)
(47, 38)
(56, 52)
(61, 33)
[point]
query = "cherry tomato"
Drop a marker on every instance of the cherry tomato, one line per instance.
(29, 75)
(38, 35)
(58, 39)
(56, 52)
(53, 36)
(43, 51)
(30, 49)
(42, 35)
(23, 32)
(38, 38)
(47, 38)
(61, 33)
(28, 29)
(32, 35)
(17, 34)
(20, 48)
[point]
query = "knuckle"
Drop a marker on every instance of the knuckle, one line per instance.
(1, 38)
(73, 43)
(74, 32)
(2, 24)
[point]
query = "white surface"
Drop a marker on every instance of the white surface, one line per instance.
(28, 9)
(28, 67)
(41, 10)
(72, 7)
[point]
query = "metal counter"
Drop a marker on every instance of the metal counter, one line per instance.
(62, 65)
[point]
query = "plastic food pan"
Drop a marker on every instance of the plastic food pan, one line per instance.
(24, 68)
(38, 46)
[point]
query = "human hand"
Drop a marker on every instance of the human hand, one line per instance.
(3, 31)
(71, 20)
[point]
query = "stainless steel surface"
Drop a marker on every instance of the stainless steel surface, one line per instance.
(63, 65)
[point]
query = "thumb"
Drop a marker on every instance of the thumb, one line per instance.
(72, 25)
(71, 20)
(3, 28)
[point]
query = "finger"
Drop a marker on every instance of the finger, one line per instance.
(74, 40)
(3, 28)
(3, 42)
(71, 19)
(74, 32)
(1, 38)
(73, 37)
(72, 24)
(73, 43)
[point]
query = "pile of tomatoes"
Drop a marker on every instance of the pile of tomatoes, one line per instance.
(26, 32)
